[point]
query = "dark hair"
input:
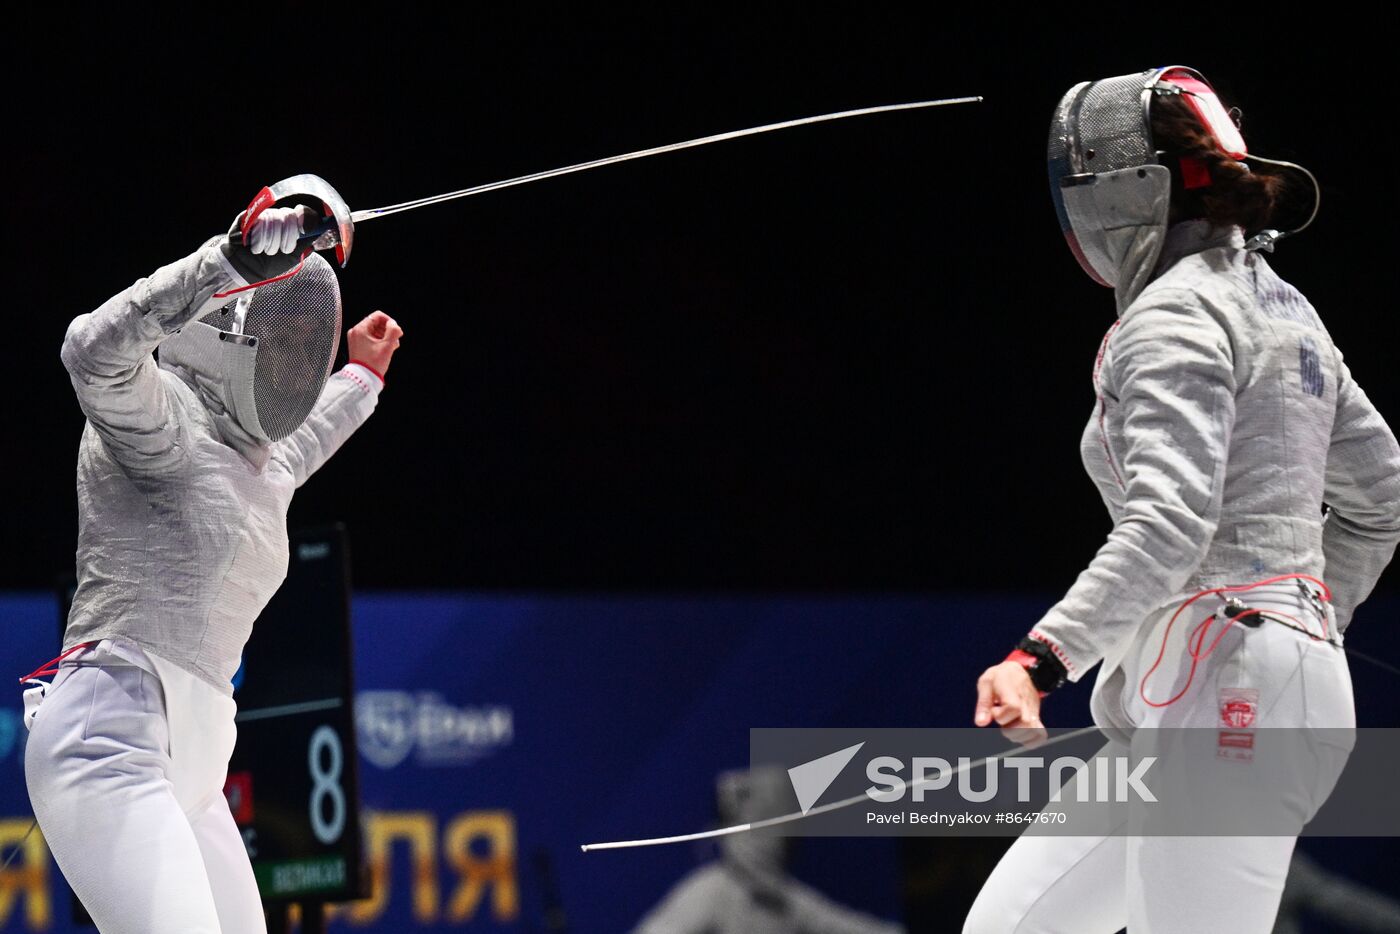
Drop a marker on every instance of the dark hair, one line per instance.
(1235, 196)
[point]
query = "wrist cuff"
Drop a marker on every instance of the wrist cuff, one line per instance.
(1047, 672)
(366, 377)
(377, 374)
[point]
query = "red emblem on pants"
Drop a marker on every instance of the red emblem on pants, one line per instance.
(1238, 707)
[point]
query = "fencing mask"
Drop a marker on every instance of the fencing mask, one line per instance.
(1111, 192)
(269, 353)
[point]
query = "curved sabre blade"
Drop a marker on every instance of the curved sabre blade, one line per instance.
(359, 216)
(833, 806)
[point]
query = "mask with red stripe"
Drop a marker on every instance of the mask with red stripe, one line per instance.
(1112, 193)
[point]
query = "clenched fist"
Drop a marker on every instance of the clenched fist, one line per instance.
(374, 340)
(1006, 696)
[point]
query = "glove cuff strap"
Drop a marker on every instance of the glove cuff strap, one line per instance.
(1047, 672)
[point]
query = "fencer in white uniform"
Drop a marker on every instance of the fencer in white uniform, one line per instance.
(183, 489)
(1225, 419)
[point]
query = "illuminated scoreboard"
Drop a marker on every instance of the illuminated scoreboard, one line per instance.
(292, 783)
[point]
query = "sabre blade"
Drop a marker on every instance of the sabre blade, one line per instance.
(835, 805)
(360, 216)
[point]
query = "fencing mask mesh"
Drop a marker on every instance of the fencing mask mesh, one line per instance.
(270, 354)
(297, 326)
(1111, 193)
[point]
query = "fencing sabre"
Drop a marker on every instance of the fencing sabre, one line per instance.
(857, 799)
(359, 216)
(337, 228)
(835, 805)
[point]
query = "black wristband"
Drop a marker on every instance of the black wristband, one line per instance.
(1048, 672)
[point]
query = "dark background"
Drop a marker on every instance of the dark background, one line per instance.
(851, 357)
(846, 357)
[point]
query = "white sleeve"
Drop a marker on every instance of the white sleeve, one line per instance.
(1173, 367)
(348, 399)
(107, 353)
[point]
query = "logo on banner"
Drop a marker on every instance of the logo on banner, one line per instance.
(391, 725)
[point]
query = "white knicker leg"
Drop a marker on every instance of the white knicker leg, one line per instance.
(1265, 677)
(1155, 884)
(1049, 884)
(130, 801)
(98, 779)
(230, 874)
(202, 736)
(1181, 885)
(1054, 885)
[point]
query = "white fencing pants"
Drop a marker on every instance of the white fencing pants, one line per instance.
(1183, 885)
(125, 764)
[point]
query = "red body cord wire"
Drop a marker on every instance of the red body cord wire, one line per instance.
(44, 669)
(1193, 642)
(254, 285)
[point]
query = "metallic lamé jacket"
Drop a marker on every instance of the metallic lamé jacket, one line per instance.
(182, 534)
(1225, 420)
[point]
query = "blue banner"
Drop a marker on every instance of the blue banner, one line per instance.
(498, 733)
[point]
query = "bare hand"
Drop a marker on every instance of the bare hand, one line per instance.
(1005, 694)
(374, 340)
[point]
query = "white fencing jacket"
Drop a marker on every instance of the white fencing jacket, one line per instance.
(1225, 419)
(182, 534)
